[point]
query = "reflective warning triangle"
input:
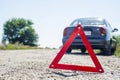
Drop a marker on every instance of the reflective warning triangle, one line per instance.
(55, 63)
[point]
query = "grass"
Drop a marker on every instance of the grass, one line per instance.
(117, 52)
(16, 47)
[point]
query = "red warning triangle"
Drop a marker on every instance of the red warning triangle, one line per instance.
(77, 30)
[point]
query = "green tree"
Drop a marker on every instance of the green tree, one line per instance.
(20, 30)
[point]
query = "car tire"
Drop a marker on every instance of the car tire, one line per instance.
(83, 50)
(69, 50)
(108, 53)
(113, 50)
(105, 52)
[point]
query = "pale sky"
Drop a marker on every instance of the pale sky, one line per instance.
(50, 17)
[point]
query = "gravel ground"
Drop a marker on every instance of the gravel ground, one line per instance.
(34, 65)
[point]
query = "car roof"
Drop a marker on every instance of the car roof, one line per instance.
(91, 18)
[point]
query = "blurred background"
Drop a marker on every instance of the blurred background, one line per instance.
(50, 17)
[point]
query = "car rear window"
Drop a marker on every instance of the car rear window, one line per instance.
(88, 22)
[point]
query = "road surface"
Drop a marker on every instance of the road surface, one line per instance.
(34, 65)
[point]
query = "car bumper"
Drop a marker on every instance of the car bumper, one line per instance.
(95, 43)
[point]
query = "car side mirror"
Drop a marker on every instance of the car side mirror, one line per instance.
(115, 30)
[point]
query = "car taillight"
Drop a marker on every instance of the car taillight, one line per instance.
(65, 32)
(103, 31)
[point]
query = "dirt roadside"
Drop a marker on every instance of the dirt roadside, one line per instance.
(33, 65)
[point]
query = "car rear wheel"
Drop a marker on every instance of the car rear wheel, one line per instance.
(69, 50)
(107, 52)
(83, 50)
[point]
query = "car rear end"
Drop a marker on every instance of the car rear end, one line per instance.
(96, 34)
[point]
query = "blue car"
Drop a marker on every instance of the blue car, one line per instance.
(98, 31)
